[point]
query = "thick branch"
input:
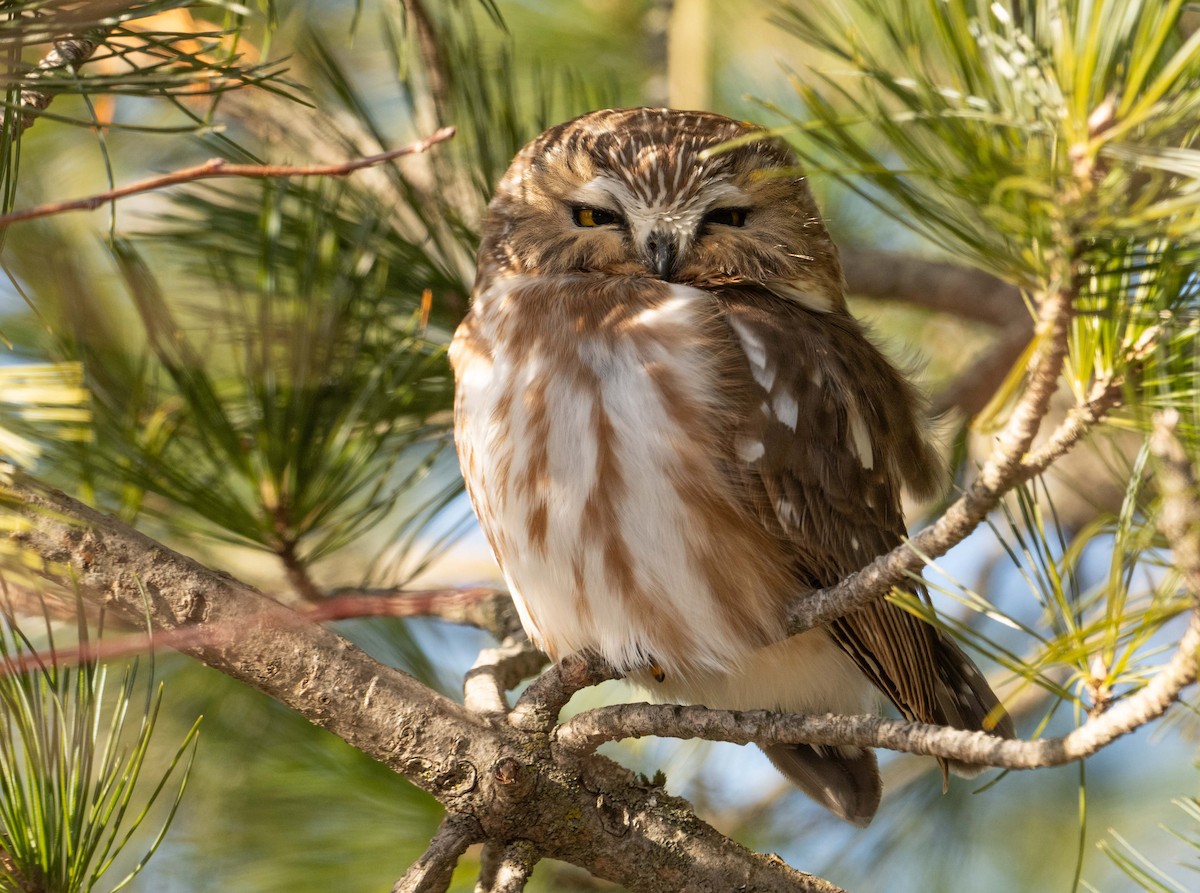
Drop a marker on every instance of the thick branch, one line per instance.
(218, 167)
(589, 812)
(960, 291)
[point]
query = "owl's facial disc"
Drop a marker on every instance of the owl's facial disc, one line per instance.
(663, 232)
(661, 193)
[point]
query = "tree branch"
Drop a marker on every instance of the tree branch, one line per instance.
(1003, 470)
(497, 671)
(508, 780)
(482, 607)
(433, 872)
(538, 708)
(961, 291)
(1180, 523)
(507, 868)
(218, 167)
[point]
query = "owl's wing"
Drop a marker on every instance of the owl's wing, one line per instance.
(825, 453)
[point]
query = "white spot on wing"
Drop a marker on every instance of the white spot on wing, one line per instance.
(861, 440)
(750, 450)
(756, 351)
(786, 409)
(805, 297)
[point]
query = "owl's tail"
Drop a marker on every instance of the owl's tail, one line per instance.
(966, 701)
(845, 780)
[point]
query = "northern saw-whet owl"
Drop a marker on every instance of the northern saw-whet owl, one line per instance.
(670, 427)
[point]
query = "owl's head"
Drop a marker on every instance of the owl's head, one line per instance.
(636, 192)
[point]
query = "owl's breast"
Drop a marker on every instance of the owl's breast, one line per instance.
(594, 420)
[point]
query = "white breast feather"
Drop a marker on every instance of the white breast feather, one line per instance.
(652, 517)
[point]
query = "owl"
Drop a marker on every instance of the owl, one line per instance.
(671, 427)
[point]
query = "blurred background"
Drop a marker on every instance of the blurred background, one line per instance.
(255, 373)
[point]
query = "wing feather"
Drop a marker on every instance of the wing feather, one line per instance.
(840, 438)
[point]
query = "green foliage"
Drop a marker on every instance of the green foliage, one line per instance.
(73, 747)
(1012, 127)
(1142, 869)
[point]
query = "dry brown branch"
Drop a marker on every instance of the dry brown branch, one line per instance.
(946, 288)
(486, 609)
(506, 867)
(218, 167)
(482, 607)
(433, 872)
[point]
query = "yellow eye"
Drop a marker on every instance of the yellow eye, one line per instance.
(726, 217)
(594, 217)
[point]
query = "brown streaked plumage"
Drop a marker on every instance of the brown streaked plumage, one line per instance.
(670, 427)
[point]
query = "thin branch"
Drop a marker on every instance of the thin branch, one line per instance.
(497, 671)
(486, 609)
(1179, 519)
(507, 868)
(218, 167)
(437, 72)
(1003, 470)
(538, 707)
(482, 607)
(433, 872)
(589, 730)
(1180, 522)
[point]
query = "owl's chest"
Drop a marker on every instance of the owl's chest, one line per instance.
(592, 435)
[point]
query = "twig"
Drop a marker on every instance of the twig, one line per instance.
(497, 671)
(484, 608)
(1003, 469)
(1180, 517)
(433, 872)
(538, 707)
(506, 868)
(219, 167)
(471, 606)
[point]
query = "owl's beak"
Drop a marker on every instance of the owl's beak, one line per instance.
(662, 250)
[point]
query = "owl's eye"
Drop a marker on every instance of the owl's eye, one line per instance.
(726, 216)
(595, 217)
